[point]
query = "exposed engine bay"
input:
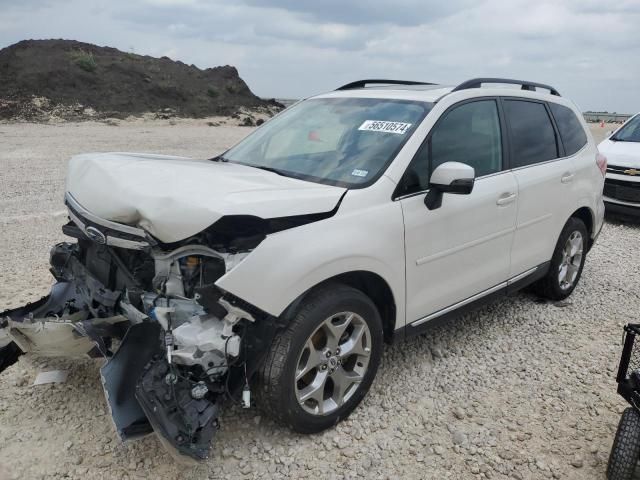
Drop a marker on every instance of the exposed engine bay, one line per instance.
(176, 345)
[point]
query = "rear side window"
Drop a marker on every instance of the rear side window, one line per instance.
(533, 138)
(571, 131)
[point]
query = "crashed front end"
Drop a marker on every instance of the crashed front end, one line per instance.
(176, 345)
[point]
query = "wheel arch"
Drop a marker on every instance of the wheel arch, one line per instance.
(373, 286)
(588, 218)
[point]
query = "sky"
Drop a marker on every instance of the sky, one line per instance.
(588, 49)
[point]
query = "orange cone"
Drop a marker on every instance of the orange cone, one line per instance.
(602, 124)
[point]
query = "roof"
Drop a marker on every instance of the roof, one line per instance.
(429, 92)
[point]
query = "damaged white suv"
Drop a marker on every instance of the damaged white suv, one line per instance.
(276, 270)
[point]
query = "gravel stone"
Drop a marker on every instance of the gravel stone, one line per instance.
(459, 437)
(577, 461)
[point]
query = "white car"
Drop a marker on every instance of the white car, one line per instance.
(278, 269)
(622, 183)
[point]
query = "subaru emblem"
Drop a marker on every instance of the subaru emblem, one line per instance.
(96, 235)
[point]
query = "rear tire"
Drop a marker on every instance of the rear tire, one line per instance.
(322, 364)
(626, 447)
(567, 262)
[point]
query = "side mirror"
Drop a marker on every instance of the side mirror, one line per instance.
(449, 177)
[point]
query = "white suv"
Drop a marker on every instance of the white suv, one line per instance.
(278, 268)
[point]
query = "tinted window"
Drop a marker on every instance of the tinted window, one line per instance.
(571, 131)
(469, 133)
(533, 138)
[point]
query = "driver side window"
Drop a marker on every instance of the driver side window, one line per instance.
(469, 133)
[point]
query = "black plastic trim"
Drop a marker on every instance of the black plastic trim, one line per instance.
(364, 83)
(410, 330)
(525, 85)
(562, 152)
(623, 210)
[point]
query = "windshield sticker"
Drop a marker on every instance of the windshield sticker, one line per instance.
(360, 173)
(387, 127)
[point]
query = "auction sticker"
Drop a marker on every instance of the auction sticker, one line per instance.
(384, 126)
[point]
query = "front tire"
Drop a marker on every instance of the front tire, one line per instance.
(322, 364)
(567, 262)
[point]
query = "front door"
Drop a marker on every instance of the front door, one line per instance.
(461, 249)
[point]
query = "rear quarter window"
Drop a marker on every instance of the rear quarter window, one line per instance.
(571, 131)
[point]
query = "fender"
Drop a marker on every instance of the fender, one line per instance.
(288, 263)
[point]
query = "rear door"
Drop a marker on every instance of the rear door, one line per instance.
(545, 182)
(462, 248)
(588, 180)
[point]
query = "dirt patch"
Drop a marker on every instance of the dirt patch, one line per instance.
(75, 80)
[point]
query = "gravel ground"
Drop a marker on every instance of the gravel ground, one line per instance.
(521, 389)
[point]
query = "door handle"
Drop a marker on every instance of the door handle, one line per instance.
(567, 177)
(506, 198)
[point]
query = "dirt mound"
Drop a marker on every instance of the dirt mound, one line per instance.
(71, 79)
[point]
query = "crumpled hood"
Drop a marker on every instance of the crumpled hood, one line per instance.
(176, 197)
(621, 154)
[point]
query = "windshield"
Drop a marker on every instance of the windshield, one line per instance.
(629, 132)
(347, 142)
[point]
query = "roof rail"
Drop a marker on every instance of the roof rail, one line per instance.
(531, 86)
(363, 83)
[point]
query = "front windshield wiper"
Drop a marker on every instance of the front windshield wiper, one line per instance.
(221, 158)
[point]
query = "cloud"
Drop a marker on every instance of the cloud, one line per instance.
(295, 48)
(359, 12)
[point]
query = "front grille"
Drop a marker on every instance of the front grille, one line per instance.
(621, 190)
(623, 170)
(111, 233)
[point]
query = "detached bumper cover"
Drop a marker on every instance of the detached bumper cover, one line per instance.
(120, 376)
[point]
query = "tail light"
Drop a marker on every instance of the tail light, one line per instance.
(601, 161)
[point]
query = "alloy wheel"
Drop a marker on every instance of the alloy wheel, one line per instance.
(332, 363)
(571, 260)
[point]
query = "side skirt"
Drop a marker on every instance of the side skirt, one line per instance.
(472, 303)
